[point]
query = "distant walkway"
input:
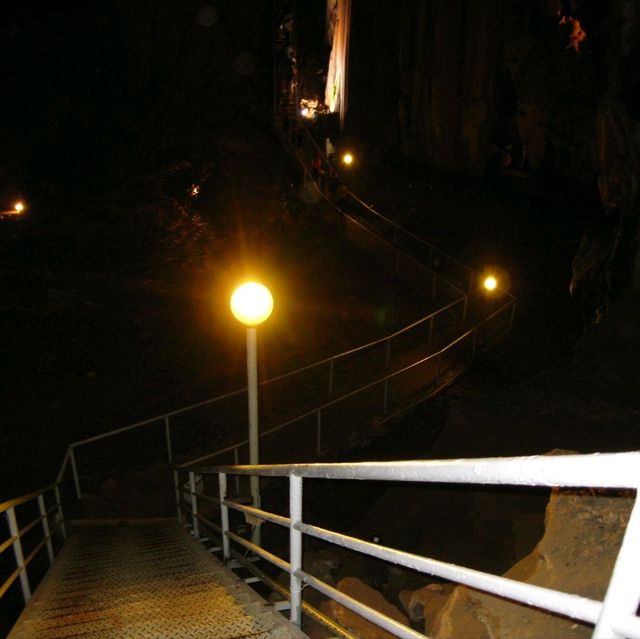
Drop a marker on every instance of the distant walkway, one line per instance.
(148, 580)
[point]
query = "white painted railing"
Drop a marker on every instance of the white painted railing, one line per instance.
(385, 380)
(32, 523)
(613, 618)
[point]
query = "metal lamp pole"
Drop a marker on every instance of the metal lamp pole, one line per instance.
(252, 304)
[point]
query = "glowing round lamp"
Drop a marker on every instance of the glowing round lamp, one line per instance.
(490, 283)
(251, 303)
(19, 207)
(347, 159)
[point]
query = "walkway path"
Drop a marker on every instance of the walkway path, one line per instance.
(149, 580)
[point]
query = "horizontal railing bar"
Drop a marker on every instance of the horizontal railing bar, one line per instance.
(372, 615)
(283, 591)
(239, 391)
(18, 501)
(222, 451)
(336, 400)
(8, 543)
(208, 498)
(265, 554)
(35, 551)
(406, 253)
(413, 236)
(561, 603)
(332, 402)
(606, 470)
(9, 581)
(208, 523)
(23, 531)
(260, 514)
(374, 232)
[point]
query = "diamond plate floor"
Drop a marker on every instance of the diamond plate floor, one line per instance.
(145, 581)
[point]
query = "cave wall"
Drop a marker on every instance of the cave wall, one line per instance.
(477, 87)
(447, 80)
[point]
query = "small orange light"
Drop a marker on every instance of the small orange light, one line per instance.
(19, 207)
(490, 283)
(347, 159)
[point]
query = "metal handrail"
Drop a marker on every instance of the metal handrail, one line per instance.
(613, 618)
(324, 406)
(45, 520)
(70, 456)
(166, 417)
(239, 391)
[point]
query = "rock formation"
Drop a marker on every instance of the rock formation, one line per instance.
(583, 531)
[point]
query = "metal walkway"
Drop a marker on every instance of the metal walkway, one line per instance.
(149, 580)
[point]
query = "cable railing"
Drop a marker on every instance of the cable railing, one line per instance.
(613, 617)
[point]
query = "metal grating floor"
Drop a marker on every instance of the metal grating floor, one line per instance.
(145, 581)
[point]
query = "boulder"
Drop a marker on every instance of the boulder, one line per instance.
(426, 603)
(364, 629)
(583, 532)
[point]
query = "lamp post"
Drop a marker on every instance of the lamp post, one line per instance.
(251, 304)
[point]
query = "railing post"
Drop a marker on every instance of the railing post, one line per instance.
(430, 330)
(45, 526)
(433, 285)
(74, 469)
(438, 369)
(295, 548)
(194, 504)
(473, 344)
(63, 528)
(331, 377)
(464, 308)
(224, 516)
(17, 551)
(167, 431)
(176, 485)
(319, 432)
(621, 599)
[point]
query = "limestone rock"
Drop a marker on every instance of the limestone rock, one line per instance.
(583, 531)
(357, 589)
(426, 603)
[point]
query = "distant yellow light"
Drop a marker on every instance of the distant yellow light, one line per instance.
(347, 159)
(251, 303)
(19, 207)
(490, 283)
